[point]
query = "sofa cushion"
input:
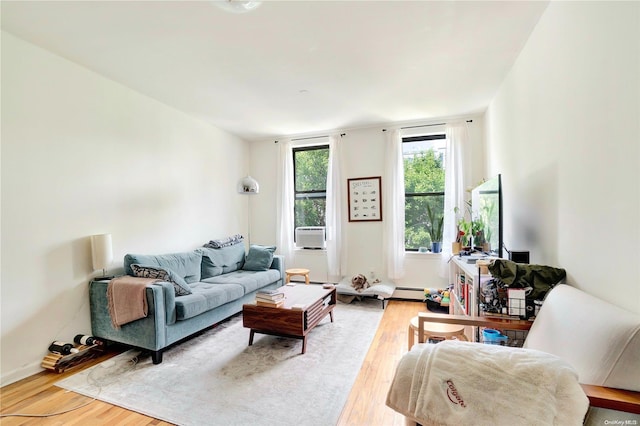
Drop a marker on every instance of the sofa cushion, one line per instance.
(259, 258)
(600, 340)
(222, 260)
(186, 265)
(249, 280)
(180, 286)
(204, 297)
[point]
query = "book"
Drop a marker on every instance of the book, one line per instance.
(269, 292)
(270, 304)
(278, 295)
(267, 298)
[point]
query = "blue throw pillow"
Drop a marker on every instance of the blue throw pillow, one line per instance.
(259, 258)
(222, 260)
(179, 284)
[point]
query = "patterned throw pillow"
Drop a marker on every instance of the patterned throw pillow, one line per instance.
(225, 242)
(179, 284)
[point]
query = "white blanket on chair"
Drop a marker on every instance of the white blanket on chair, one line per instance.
(461, 383)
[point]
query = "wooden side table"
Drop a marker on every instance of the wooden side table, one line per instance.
(298, 271)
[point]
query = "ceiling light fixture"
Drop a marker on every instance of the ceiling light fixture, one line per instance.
(237, 6)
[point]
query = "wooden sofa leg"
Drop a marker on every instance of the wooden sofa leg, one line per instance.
(156, 357)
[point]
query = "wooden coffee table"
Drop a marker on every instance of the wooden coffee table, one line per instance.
(287, 322)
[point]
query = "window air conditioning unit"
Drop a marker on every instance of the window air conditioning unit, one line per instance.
(310, 237)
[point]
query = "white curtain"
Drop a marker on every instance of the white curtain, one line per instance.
(454, 186)
(336, 244)
(393, 199)
(285, 195)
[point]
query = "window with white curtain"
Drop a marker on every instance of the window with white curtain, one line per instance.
(310, 166)
(424, 159)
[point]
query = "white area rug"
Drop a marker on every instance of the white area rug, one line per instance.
(216, 379)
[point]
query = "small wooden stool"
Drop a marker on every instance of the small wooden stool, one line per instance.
(436, 329)
(291, 272)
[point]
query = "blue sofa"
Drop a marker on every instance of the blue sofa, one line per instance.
(219, 287)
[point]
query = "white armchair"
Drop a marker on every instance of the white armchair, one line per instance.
(600, 341)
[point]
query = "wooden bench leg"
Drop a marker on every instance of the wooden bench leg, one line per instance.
(251, 337)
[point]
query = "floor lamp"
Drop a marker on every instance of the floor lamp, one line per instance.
(248, 186)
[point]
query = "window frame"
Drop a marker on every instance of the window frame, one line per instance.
(420, 138)
(313, 194)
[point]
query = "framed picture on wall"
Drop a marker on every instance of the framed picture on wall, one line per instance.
(365, 199)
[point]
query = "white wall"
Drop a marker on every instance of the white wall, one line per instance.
(564, 130)
(83, 155)
(363, 151)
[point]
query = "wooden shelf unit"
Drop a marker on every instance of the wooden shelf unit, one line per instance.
(467, 279)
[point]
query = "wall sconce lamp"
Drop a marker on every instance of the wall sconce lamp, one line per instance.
(248, 185)
(101, 253)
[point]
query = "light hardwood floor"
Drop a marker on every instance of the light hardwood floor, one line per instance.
(365, 405)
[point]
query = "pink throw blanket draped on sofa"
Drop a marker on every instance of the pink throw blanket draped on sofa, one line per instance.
(127, 299)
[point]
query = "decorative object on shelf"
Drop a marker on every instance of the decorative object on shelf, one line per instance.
(248, 185)
(455, 247)
(101, 253)
(483, 264)
(365, 199)
(237, 6)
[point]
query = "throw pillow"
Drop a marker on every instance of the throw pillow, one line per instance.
(179, 284)
(225, 242)
(259, 258)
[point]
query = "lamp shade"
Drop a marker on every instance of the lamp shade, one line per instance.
(248, 185)
(101, 251)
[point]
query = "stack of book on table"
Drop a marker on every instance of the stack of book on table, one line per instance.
(273, 298)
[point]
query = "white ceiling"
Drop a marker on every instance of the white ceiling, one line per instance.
(291, 67)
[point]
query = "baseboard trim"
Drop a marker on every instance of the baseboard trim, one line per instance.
(21, 373)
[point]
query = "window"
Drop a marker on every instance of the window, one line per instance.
(310, 167)
(424, 159)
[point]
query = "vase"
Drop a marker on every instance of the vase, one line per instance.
(436, 247)
(455, 248)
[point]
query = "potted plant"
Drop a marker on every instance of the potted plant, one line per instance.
(464, 232)
(435, 229)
